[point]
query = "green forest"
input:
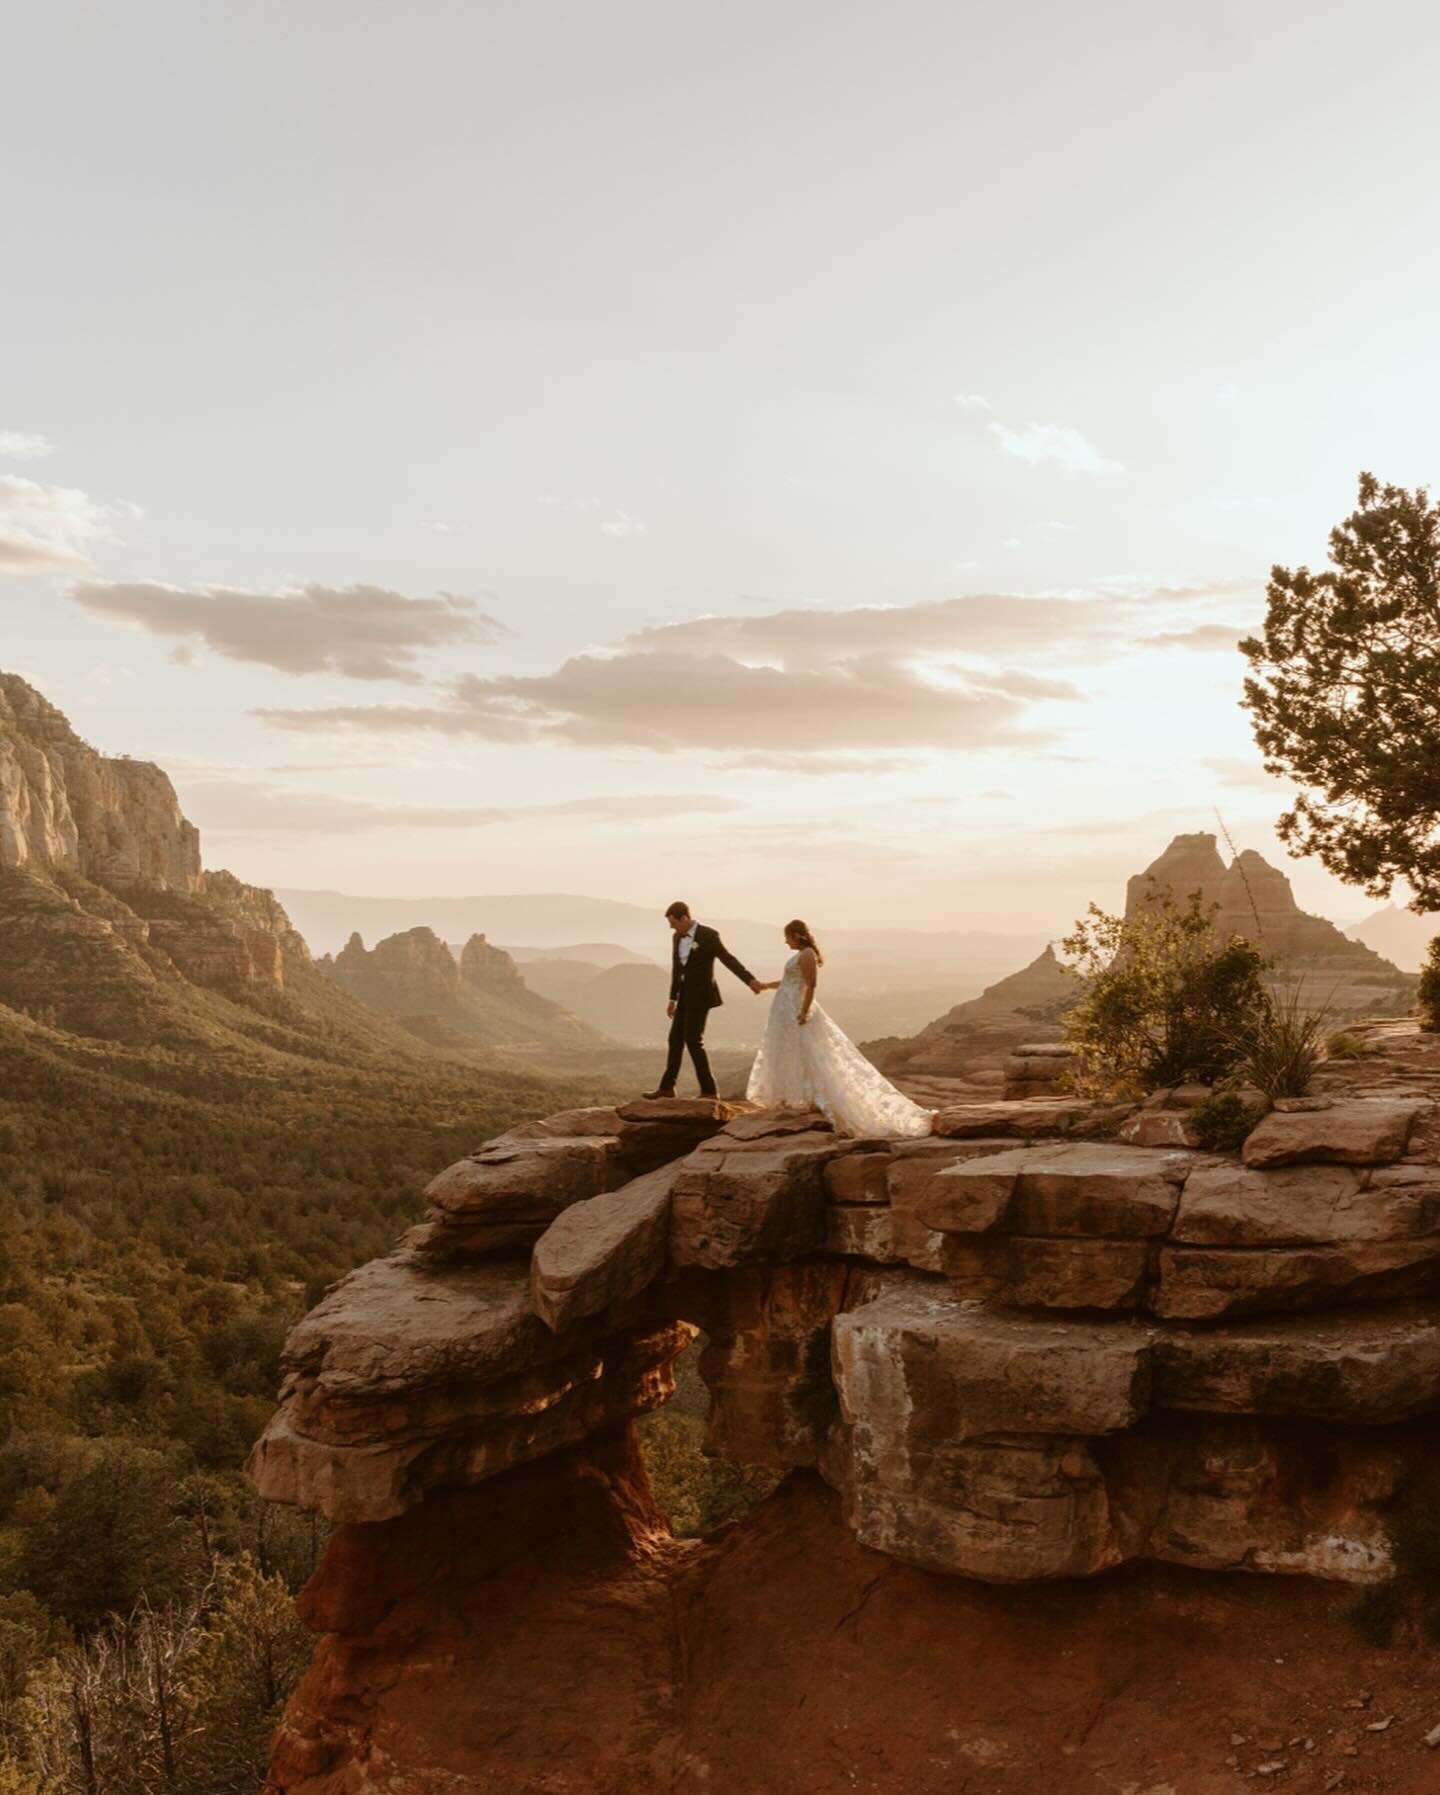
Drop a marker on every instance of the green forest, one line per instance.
(167, 1214)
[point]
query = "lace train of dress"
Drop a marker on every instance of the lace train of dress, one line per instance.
(819, 1066)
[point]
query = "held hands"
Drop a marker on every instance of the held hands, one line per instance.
(757, 987)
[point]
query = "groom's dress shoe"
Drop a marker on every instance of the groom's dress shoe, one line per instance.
(650, 1096)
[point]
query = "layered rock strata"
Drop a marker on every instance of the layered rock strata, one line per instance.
(1019, 1350)
(103, 899)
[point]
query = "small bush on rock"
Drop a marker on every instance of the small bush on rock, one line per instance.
(1280, 1049)
(1165, 1001)
(1345, 1046)
(1427, 995)
(1222, 1121)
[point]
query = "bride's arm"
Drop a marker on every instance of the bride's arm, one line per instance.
(808, 971)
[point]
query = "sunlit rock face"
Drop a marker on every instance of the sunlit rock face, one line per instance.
(104, 903)
(65, 808)
(1019, 1356)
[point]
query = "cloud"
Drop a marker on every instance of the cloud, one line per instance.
(1058, 444)
(44, 529)
(973, 402)
(771, 690)
(363, 632)
(818, 764)
(1205, 638)
(620, 524)
(241, 807)
(1241, 772)
(444, 526)
(667, 702)
(24, 445)
(976, 624)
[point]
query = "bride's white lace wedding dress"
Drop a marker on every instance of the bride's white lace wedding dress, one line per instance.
(818, 1066)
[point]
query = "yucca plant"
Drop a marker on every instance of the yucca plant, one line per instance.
(1284, 1047)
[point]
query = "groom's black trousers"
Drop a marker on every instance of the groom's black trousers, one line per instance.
(687, 1035)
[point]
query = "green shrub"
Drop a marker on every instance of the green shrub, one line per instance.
(1427, 995)
(1345, 1046)
(1280, 1048)
(1222, 1121)
(1164, 1001)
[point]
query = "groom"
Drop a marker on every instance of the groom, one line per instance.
(694, 950)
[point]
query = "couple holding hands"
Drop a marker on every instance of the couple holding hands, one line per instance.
(805, 1061)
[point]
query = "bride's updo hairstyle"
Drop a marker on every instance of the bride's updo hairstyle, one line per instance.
(799, 933)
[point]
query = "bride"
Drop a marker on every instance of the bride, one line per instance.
(806, 1060)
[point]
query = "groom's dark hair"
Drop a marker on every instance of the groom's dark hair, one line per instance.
(678, 909)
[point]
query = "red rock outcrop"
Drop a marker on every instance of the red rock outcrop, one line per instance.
(1017, 1356)
(104, 903)
(481, 1000)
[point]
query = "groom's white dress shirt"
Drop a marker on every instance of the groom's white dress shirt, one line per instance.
(687, 941)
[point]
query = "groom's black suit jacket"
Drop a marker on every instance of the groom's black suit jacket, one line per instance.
(695, 977)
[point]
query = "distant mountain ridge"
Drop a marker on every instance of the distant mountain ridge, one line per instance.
(112, 928)
(1400, 935)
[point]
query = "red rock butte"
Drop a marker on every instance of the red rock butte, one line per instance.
(1045, 1382)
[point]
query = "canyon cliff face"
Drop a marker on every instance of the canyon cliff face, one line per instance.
(1045, 1343)
(107, 912)
(65, 808)
(479, 1000)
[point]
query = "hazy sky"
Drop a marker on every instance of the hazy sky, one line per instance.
(807, 456)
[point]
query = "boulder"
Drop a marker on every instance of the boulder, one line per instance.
(601, 1252)
(525, 1179)
(1364, 1132)
(913, 1168)
(1079, 1189)
(1048, 1274)
(1204, 1283)
(405, 1379)
(967, 1370)
(1025, 1117)
(1375, 1366)
(1230, 1205)
(744, 1201)
(1001, 1511)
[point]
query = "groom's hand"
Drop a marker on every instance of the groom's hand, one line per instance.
(670, 1007)
(756, 986)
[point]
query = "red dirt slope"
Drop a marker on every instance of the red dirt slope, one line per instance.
(542, 1635)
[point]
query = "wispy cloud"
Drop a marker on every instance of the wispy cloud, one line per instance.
(24, 445)
(1234, 771)
(620, 524)
(973, 402)
(1204, 638)
(821, 765)
(667, 702)
(47, 529)
(363, 632)
(244, 807)
(1058, 445)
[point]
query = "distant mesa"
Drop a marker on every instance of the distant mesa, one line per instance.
(1254, 899)
(969, 1048)
(476, 998)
